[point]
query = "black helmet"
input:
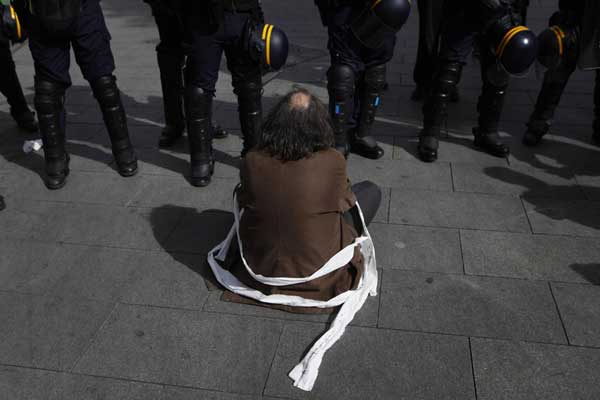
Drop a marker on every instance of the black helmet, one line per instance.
(268, 45)
(379, 18)
(516, 49)
(10, 25)
(554, 45)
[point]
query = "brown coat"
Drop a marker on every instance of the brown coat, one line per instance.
(292, 223)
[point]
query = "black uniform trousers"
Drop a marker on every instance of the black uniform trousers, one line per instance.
(207, 48)
(345, 48)
(90, 39)
(9, 81)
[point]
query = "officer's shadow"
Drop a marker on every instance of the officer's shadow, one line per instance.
(88, 140)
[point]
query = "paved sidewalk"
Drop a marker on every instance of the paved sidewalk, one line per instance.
(489, 267)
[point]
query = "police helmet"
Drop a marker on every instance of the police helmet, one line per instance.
(516, 49)
(378, 19)
(10, 25)
(268, 45)
(555, 43)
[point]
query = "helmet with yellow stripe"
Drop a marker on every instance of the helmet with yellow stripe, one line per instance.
(556, 44)
(268, 45)
(10, 24)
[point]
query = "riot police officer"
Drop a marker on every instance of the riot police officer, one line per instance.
(56, 26)
(506, 48)
(12, 30)
(170, 54)
(362, 36)
(233, 27)
(562, 46)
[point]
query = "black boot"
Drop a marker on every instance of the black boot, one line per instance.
(340, 85)
(49, 103)
(198, 106)
(491, 103)
(106, 92)
(536, 129)
(435, 109)
(249, 93)
(362, 142)
(171, 80)
(218, 131)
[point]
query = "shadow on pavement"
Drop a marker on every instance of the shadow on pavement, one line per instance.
(591, 272)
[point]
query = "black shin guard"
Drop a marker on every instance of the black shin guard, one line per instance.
(10, 87)
(198, 108)
(435, 109)
(249, 94)
(372, 85)
(107, 94)
(340, 85)
(490, 106)
(171, 80)
(49, 102)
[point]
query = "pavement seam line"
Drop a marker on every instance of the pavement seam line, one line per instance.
(273, 359)
(562, 322)
(94, 337)
(473, 368)
(462, 252)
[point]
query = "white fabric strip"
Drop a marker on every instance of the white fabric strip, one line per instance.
(305, 373)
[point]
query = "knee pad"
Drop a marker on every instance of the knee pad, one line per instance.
(198, 102)
(447, 78)
(375, 78)
(341, 79)
(251, 87)
(106, 91)
(49, 97)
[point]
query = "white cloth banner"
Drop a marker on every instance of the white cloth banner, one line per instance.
(305, 373)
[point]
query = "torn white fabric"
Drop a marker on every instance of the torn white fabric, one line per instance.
(305, 373)
(32, 145)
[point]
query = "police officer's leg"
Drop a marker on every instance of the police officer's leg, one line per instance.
(457, 43)
(361, 140)
(426, 58)
(49, 102)
(554, 84)
(91, 46)
(247, 85)
(51, 58)
(341, 80)
(171, 59)
(10, 87)
(596, 133)
(201, 74)
(490, 106)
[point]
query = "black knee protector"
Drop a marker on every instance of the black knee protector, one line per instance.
(249, 94)
(490, 106)
(445, 81)
(106, 92)
(341, 80)
(198, 103)
(49, 103)
(373, 83)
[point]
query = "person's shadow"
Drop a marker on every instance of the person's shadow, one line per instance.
(590, 272)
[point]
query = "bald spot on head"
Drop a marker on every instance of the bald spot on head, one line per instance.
(300, 101)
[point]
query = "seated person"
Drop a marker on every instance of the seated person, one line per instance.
(303, 239)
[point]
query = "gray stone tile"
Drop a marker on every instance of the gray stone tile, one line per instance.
(30, 384)
(384, 208)
(176, 191)
(376, 364)
(530, 371)
(29, 219)
(579, 307)
(474, 306)
(47, 332)
(401, 174)
(458, 210)
(414, 248)
(543, 257)
(525, 182)
(564, 217)
(186, 348)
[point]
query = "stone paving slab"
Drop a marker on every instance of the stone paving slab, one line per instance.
(376, 364)
(540, 257)
(186, 348)
(563, 217)
(474, 306)
(47, 332)
(415, 248)
(31, 384)
(579, 307)
(530, 371)
(458, 210)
